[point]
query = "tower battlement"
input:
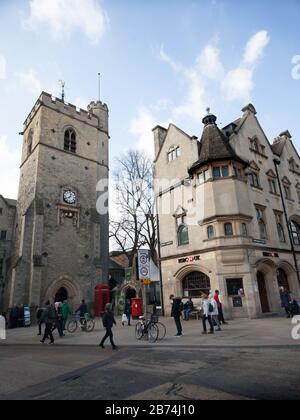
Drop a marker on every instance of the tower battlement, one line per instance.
(90, 116)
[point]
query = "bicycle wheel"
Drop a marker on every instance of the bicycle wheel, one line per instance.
(152, 333)
(90, 325)
(72, 326)
(162, 331)
(139, 331)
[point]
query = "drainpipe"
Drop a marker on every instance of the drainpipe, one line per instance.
(159, 262)
(277, 163)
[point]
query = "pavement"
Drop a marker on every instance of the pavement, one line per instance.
(249, 359)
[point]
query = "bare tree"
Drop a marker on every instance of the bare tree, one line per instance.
(135, 225)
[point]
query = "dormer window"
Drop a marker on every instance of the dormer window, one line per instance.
(174, 153)
(70, 141)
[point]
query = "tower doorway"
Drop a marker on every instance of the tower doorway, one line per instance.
(261, 281)
(61, 295)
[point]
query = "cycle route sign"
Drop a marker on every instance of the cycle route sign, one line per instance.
(144, 266)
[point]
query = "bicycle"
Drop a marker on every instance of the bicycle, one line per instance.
(87, 324)
(147, 328)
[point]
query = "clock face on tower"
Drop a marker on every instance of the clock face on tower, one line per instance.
(69, 197)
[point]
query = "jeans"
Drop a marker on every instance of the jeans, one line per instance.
(209, 319)
(109, 334)
(178, 324)
(187, 313)
(129, 318)
(48, 333)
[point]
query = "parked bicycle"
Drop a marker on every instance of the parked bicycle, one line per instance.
(86, 324)
(151, 329)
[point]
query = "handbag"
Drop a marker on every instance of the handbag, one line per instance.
(124, 318)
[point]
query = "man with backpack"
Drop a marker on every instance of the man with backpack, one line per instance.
(177, 308)
(208, 309)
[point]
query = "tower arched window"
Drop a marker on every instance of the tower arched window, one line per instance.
(295, 230)
(183, 235)
(70, 141)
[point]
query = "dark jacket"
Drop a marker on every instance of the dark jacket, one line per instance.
(285, 298)
(127, 309)
(188, 305)
(108, 320)
(39, 314)
(83, 309)
(48, 315)
(177, 308)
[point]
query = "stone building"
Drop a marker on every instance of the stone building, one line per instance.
(7, 222)
(221, 214)
(60, 247)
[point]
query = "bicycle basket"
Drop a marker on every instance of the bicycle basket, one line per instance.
(154, 319)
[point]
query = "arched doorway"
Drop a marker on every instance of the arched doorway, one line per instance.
(282, 279)
(130, 293)
(265, 306)
(61, 295)
(195, 284)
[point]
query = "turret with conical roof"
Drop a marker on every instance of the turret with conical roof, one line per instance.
(214, 145)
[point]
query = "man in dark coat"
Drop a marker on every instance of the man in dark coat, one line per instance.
(176, 312)
(108, 323)
(285, 297)
(47, 318)
(14, 316)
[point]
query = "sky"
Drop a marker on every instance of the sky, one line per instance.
(160, 61)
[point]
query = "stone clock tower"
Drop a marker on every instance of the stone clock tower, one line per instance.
(61, 241)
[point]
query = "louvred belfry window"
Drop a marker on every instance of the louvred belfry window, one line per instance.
(70, 141)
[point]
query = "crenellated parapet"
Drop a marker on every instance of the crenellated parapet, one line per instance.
(95, 115)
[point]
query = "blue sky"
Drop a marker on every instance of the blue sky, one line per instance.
(160, 60)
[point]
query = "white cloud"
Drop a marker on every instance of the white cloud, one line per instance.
(9, 169)
(64, 16)
(29, 81)
(141, 126)
(238, 84)
(2, 67)
(255, 47)
(209, 63)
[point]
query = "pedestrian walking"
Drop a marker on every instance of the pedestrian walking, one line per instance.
(14, 316)
(48, 318)
(83, 309)
(176, 313)
(39, 313)
(214, 312)
(127, 311)
(207, 311)
(220, 307)
(285, 297)
(108, 323)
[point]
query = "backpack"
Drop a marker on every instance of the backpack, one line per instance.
(210, 308)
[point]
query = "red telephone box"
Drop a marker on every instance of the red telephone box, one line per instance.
(137, 307)
(102, 297)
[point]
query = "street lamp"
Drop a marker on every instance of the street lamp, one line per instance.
(277, 163)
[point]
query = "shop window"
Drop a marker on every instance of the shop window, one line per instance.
(235, 287)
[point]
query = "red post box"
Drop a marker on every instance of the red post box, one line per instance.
(102, 297)
(137, 307)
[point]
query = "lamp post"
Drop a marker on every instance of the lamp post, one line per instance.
(277, 163)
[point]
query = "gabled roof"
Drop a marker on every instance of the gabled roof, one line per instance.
(9, 202)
